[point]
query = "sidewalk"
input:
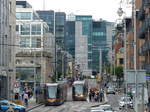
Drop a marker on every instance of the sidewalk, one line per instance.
(32, 104)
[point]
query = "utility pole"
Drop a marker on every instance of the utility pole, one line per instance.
(55, 49)
(43, 4)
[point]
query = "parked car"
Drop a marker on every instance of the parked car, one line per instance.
(125, 101)
(7, 105)
(110, 90)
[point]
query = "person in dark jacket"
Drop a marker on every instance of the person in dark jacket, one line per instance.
(148, 104)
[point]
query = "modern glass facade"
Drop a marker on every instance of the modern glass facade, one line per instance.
(70, 38)
(87, 30)
(99, 41)
(48, 17)
(60, 22)
(23, 16)
(32, 37)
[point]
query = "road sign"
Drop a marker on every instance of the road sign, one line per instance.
(16, 90)
(16, 85)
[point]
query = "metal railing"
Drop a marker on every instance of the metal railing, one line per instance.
(145, 46)
(147, 3)
(141, 13)
(145, 26)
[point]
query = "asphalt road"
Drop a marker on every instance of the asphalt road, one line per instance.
(113, 100)
(69, 106)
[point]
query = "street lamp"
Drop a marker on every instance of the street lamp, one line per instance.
(120, 13)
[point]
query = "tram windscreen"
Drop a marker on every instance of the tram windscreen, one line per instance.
(78, 89)
(52, 91)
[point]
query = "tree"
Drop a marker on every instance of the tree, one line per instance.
(119, 72)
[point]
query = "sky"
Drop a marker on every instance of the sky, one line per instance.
(105, 9)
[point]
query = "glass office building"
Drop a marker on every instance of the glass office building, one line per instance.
(87, 30)
(60, 21)
(48, 17)
(99, 42)
(70, 38)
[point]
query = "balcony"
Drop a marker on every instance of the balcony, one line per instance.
(144, 28)
(141, 13)
(145, 47)
(147, 67)
(147, 3)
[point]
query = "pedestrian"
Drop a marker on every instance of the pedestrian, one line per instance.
(98, 96)
(90, 96)
(0, 108)
(146, 110)
(101, 96)
(148, 104)
(25, 97)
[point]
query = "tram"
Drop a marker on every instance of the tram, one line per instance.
(55, 93)
(80, 90)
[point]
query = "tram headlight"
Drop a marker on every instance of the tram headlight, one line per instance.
(51, 100)
(81, 95)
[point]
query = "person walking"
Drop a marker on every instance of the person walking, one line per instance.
(148, 104)
(26, 98)
(90, 96)
(101, 96)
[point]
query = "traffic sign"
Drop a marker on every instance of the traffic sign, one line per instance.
(16, 85)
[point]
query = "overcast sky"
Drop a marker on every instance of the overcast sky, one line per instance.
(105, 9)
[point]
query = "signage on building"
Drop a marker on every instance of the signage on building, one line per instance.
(16, 87)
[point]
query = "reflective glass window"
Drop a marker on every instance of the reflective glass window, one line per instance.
(23, 15)
(36, 42)
(89, 55)
(17, 27)
(78, 89)
(36, 29)
(25, 29)
(25, 42)
(52, 91)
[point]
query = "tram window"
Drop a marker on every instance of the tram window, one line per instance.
(79, 89)
(52, 91)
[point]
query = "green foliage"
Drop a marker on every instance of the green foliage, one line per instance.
(119, 71)
(53, 78)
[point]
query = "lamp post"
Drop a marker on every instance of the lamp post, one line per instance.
(63, 63)
(55, 49)
(120, 13)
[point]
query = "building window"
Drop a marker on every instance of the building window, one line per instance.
(99, 34)
(121, 60)
(25, 29)
(25, 73)
(89, 48)
(89, 64)
(17, 28)
(89, 55)
(23, 15)
(10, 7)
(36, 29)
(36, 43)
(25, 42)
(89, 40)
